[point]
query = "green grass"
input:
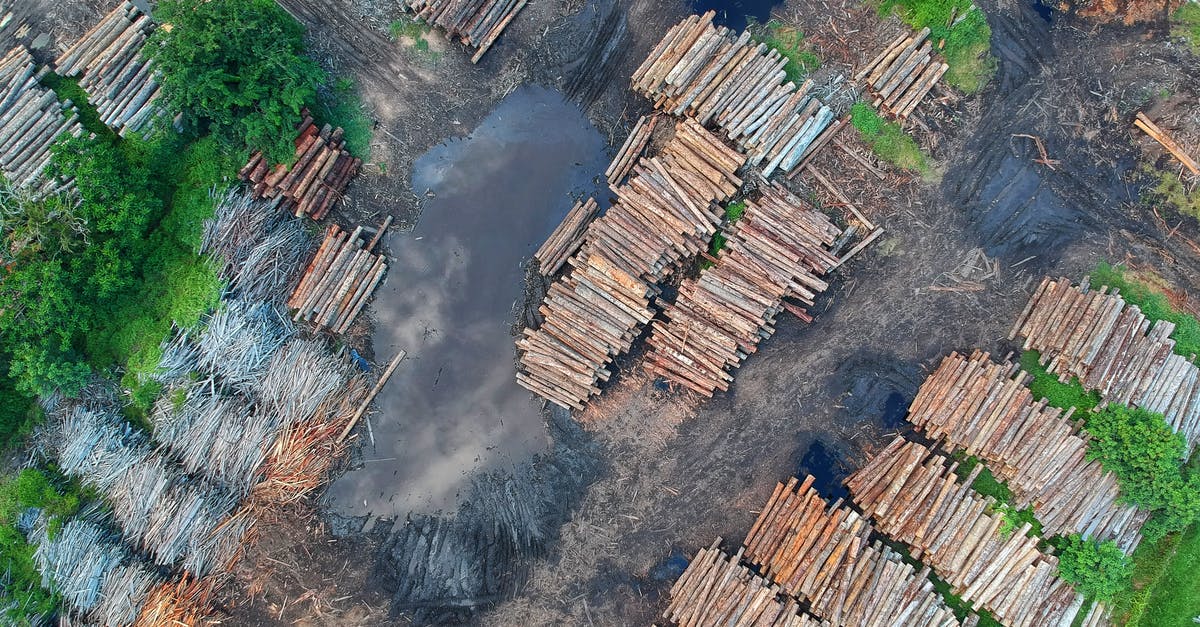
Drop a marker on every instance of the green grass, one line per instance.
(1172, 192)
(407, 28)
(1062, 395)
(1154, 304)
(789, 41)
(887, 139)
(988, 485)
(733, 213)
(1186, 25)
(965, 30)
(342, 106)
(69, 89)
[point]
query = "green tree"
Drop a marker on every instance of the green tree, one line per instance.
(1099, 570)
(236, 67)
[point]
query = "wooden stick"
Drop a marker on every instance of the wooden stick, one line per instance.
(362, 409)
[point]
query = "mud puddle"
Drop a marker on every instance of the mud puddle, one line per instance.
(736, 14)
(453, 409)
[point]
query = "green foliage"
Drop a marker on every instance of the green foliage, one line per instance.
(1154, 306)
(341, 106)
(237, 68)
(1098, 570)
(987, 484)
(733, 213)
(1174, 193)
(68, 89)
(1186, 24)
(789, 41)
(1147, 458)
(1062, 395)
(965, 30)
(407, 28)
(1170, 598)
(887, 139)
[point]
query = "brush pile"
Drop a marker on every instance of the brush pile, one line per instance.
(986, 410)
(704, 71)
(716, 590)
(120, 83)
(178, 603)
(258, 250)
(914, 497)
(901, 76)
(664, 214)
(339, 280)
(779, 249)
(567, 238)
(824, 555)
(315, 182)
(239, 340)
(476, 23)
(31, 119)
(1111, 347)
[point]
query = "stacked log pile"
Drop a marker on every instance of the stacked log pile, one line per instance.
(777, 250)
(823, 555)
(664, 214)
(119, 81)
(914, 497)
(631, 150)
(339, 280)
(1111, 347)
(567, 238)
(31, 119)
(704, 71)
(716, 590)
(476, 23)
(986, 410)
(316, 181)
(900, 76)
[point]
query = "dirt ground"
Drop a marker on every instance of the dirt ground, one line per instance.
(592, 533)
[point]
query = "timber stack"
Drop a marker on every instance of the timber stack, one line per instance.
(900, 76)
(986, 410)
(716, 590)
(567, 238)
(778, 249)
(704, 71)
(339, 281)
(476, 23)
(119, 81)
(914, 497)
(824, 555)
(631, 150)
(1113, 348)
(31, 119)
(318, 178)
(664, 214)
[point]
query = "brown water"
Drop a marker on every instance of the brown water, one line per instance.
(453, 408)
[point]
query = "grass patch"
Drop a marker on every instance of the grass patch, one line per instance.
(1172, 192)
(956, 604)
(1154, 304)
(789, 41)
(1173, 599)
(69, 89)
(988, 485)
(342, 106)
(887, 139)
(407, 28)
(1062, 395)
(965, 30)
(1186, 24)
(733, 212)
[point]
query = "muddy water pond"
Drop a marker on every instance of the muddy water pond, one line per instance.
(453, 409)
(736, 14)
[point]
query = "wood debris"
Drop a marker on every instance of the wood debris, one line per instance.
(899, 77)
(318, 178)
(31, 119)
(258, 250)
(716, 590)
(1111, 347)
(178, 603)
(338, 281)
(986, 410)
(567, 238)
(631, 150)
(1157, 134)
(664, 214)
(823, 554)
(119, 81)
(914, 497)
(704, 71)
(476, 23)
(778, 250)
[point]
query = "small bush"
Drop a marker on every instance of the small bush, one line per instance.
(1154, 305)
(887, 139)
(1186, 25)
(1098, 570)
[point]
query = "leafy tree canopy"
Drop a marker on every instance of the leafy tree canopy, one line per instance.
(1099, 570)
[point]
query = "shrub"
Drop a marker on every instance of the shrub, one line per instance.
(237, 67)
(1098, 570)
(887, 139)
